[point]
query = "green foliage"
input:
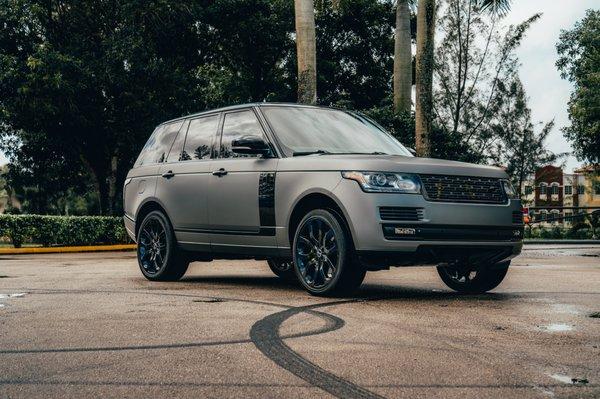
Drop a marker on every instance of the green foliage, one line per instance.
(474, 58)
(355, 49)
(579, 62)
(558, 233)
(518, 146)
(84, 82)
(62, 230)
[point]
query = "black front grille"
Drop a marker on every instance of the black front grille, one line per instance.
(400, 213)
(517, 217)
(482, 190)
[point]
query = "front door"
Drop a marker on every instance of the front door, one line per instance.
(241, 191)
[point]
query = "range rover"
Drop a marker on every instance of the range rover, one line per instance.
(322, 194)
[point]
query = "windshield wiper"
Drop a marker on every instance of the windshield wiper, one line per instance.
(301, 153)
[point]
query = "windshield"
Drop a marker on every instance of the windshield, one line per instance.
(304, 130)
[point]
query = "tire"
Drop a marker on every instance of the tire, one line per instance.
(473, 281)
(324, 259)
(158, 256)
(282, 268)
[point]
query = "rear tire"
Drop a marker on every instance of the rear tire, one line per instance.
(473, 281)
(324, 259)
(283, 268)
(158, 256)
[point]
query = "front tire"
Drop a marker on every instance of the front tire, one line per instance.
(324, 260)
(158, 256)
(471, 281)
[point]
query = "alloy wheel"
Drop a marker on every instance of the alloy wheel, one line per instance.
(152, 246)
(317, 252)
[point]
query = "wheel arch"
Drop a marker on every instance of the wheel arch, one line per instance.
(149, 205)
(316, 200)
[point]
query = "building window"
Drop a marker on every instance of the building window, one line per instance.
(580, 189)
(568, 190)
(528, 190)
(543, 189)
(554, 189)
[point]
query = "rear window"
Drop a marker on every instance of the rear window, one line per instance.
(158, 145)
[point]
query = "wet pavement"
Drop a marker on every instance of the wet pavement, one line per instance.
(89, 325)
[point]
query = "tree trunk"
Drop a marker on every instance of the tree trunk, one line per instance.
(112, 185)
(402, 59)
(424, 75)
(306, 51)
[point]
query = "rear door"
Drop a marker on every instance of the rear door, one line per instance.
(141, 182)
(241, 190)
(184, 179)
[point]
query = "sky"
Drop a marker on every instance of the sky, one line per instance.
(548, 93)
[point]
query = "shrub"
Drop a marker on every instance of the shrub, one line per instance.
(63, 230)
(556, 232)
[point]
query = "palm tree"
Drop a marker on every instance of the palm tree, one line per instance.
(306, 51)
(497, 7)
(424, 75)
(402, 58)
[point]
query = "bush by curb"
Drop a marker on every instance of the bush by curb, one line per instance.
(63, 230)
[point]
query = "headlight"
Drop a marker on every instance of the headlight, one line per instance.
(385, 182)
(509, 190)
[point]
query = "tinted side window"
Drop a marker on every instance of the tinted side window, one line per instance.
(236, 125)
(159, 144)
(177, 147)
(198, 143)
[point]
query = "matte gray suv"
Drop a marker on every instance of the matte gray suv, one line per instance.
(322, 194)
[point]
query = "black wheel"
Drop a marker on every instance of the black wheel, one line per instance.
(157, 253)
(472, 281)
(283, 268)
(324, 259)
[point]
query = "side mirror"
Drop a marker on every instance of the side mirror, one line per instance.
(250, 145)
(412, 151)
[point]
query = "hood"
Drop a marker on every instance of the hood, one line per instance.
(388, 163)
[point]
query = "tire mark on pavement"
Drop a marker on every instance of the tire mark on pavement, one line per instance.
(331, 324)
(265, 335)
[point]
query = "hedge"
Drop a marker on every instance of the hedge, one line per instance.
(559, 233)
(63, 230)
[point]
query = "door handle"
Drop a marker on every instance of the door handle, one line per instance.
(168, 175)
(220, 172)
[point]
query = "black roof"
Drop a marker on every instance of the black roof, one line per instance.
(242, 106)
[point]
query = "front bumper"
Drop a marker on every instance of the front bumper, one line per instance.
(467, 227)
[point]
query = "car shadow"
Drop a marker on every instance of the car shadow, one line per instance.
(367, 291)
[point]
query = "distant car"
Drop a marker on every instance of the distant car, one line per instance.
(322, 194)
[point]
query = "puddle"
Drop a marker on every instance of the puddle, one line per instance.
(595, 315)
(9, 296)
(565, 379)
(18, 295)
(557, 327)
(564, 308)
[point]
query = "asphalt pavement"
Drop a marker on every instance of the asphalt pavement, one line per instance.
(89, 325)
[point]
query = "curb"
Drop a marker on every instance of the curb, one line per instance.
(565, 242)
(58, 250)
